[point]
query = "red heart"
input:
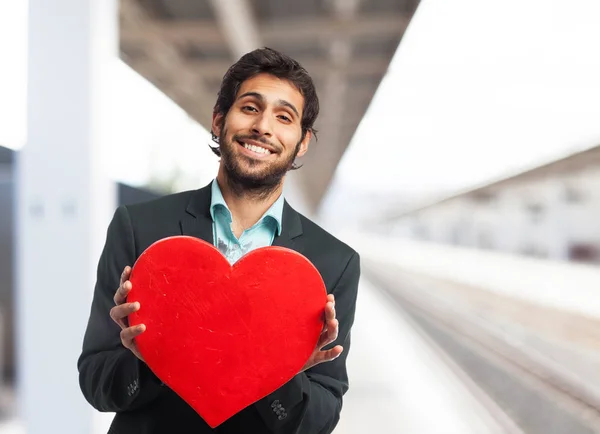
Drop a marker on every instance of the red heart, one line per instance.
(223, 337)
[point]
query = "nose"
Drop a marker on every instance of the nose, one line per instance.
(262, 125)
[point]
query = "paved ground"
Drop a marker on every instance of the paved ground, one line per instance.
(538, 366)
(398, 382)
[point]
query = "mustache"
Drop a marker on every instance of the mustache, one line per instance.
(256, 138)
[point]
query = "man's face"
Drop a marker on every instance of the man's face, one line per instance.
(260, 137)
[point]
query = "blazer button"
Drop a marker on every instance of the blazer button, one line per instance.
(282, 416)
(275, 403)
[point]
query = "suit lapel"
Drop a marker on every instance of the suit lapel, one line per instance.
(291, 229)
(197, 221)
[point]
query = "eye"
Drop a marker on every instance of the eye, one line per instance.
(249, 108)
(285, 118)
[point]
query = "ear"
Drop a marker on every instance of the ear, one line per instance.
(217, 123)
(304, 144)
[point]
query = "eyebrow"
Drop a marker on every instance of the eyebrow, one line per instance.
(281, 102)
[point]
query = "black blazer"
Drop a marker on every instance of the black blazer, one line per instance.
(112, 379)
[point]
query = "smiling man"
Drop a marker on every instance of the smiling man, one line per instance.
(262, 121)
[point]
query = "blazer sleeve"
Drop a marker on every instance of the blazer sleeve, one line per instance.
(311, 402)
(111, 377)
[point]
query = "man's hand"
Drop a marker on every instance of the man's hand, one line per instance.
(328, 335)
(121, 311)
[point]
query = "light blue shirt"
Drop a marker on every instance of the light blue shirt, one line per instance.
(261, 234)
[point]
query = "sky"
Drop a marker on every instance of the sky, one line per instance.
(477, 90)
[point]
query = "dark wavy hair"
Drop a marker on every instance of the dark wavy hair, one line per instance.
(267, 60)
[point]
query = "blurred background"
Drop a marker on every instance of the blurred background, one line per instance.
(458, 152)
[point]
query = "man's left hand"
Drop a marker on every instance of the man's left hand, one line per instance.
(328, 335)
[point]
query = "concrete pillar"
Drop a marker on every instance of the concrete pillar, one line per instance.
(64, 203)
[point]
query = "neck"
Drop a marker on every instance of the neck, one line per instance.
(246, 206)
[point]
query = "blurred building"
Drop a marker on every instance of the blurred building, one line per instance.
(550, 211)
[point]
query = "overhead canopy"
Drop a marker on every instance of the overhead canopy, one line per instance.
(184, 47)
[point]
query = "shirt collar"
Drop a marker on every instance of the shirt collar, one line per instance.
(217, 201)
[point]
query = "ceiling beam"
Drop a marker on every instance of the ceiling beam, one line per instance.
(238, 25)
(362, 67)
(298, 31)
(164, 64)
(324, 159)
(322, 29)
(186, 59)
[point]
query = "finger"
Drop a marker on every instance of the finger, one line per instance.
(119, 313)
(125, 274)
(122, 291)
(329, 312)
(329, 316)
(323, 342)
(130, 333)
(332, 330)
(329, 355)
(329, 335)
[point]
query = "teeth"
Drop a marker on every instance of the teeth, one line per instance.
(257, 149)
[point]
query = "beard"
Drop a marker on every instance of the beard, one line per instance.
(243, 177)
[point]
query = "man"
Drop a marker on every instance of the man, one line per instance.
(263, 119)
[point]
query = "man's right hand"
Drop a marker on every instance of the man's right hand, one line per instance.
(121, 311)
